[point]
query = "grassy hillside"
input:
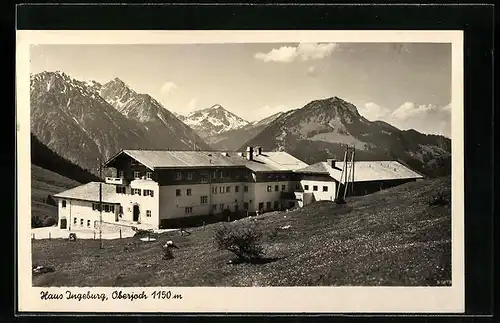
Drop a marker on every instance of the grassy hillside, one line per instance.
(392, 237)
(43, 183)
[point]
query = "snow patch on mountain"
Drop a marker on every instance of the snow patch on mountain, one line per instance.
(214, 120)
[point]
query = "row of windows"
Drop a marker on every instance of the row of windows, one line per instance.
(315, 188)
(269, 205)
(138, 191)
(75, 221)
(215, 174)
(137, 174)
(105, 207)
(276, 188)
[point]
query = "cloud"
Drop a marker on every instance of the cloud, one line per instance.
(426, 118)
(303, 52)
(168, 88)
(410, 110)
(373, 111)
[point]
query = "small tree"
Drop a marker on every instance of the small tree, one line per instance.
(244, 242)
(50, 200)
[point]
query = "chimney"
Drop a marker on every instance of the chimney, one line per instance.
(331, 162)
(258, 150)
(250, 153)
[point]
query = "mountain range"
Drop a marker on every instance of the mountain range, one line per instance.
(86, 121)
(213, 121)
(321, 129)
(83, 121)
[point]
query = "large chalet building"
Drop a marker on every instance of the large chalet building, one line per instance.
(166, 189)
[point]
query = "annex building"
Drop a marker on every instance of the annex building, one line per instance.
(168, 189)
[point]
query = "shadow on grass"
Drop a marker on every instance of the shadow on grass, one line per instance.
(254, 261)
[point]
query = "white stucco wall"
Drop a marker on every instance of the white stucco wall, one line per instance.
(319, 195)
(77, 210)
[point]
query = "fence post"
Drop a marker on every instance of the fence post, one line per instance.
(94, 235)
(120, 233)
(49, 236)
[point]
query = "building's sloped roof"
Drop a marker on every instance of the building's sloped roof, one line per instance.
(173, 159)
(273, 161)
(268, 161)
(365, 170)
(318, 168)
(90, 192)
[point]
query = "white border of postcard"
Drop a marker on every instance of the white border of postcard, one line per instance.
(446, 299)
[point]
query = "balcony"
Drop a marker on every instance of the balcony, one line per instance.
(114, 180)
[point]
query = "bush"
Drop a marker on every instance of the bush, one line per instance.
(439, 199)
(49, 221)
(35, 221)
(50, 200)
(244, 242)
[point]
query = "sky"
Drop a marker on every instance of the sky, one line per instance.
(405, 84)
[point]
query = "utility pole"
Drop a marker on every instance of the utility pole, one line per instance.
(100, 204)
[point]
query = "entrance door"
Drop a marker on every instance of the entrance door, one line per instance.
(136, 213)
(64, 223)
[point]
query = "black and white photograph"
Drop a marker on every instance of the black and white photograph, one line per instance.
(251, 162)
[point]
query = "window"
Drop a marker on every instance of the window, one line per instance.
(81, 222)
(120, 189)
(149, 193)
(214, 189)
(215, 174)
(188, 192)
(245, 188)
(75, 220)
(283, 187)
(221, 174)
(137, 175)
(96, 207)
(64, 203)
(204, 178)
(325, 188)
(261, 206)
(120, 210)
(268, 205)
(88, 223)
(204, 199)
(297, 185)
(121, 174)
(306, 187)
(190, 175)
(276, 188)
(221, 189)
(149, 175)
(136, 191)
(315, 187)
(245, 206)
(112, 208)
(276, 205)
(148, 213)
(236, 188)
(221, 206)
(177, 192)
(228, 189)
(106, 208)
(178, 176)
(214, 207)
(269, 188)
(188, 210)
